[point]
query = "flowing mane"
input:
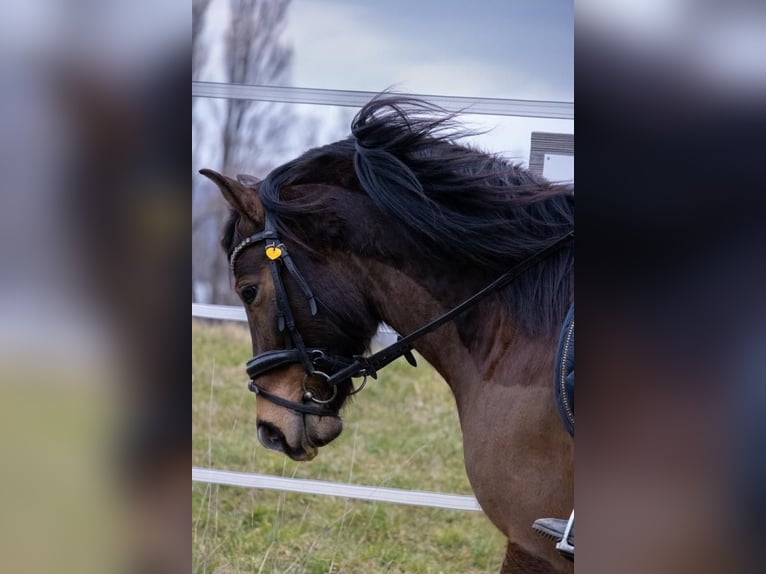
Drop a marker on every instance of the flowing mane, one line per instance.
(460, 204)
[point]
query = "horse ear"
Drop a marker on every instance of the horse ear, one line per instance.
(243, 198)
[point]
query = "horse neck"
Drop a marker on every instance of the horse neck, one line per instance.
(475, 348)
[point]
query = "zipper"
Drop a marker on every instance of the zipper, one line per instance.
(562, 379)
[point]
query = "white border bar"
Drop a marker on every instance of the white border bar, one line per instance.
(356, 99)
(391, 495)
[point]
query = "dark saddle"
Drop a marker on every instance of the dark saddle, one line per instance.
(558, 529)
(563, 379)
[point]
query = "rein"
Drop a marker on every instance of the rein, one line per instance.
(368, 366)
(315, 361)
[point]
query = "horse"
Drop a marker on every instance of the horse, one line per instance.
(401, 223)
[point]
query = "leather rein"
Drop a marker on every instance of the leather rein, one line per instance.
(334, 369)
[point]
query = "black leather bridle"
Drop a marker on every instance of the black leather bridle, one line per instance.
(316, 361)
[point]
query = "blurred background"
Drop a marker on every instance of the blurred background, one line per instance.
(670, 240)
(94, 220)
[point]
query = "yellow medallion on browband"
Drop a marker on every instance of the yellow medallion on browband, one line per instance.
(273, 252)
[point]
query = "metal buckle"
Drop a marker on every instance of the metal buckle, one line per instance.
(309, 396)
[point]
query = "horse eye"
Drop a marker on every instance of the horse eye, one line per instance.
(249, 293)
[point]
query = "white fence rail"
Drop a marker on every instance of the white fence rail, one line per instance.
(374, 493)
(223, 312)
(384, 336)
(356, 99)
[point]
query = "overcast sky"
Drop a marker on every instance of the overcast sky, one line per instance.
(483, 48)
(490, 48)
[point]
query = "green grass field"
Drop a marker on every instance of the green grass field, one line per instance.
(402, 432)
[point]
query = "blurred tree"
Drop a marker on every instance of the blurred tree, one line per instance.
(199, 51)
(199, 59)
(250, 134)
(254, 55)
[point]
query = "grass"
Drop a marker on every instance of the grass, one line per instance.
(402, 431)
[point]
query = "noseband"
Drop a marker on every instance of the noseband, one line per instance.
(315, 361)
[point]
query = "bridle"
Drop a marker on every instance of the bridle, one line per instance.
(316, 361)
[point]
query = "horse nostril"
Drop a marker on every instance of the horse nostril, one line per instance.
(271, 437)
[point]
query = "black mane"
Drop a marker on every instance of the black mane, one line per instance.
(462, 205)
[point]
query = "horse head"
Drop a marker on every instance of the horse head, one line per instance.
(307, 313)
